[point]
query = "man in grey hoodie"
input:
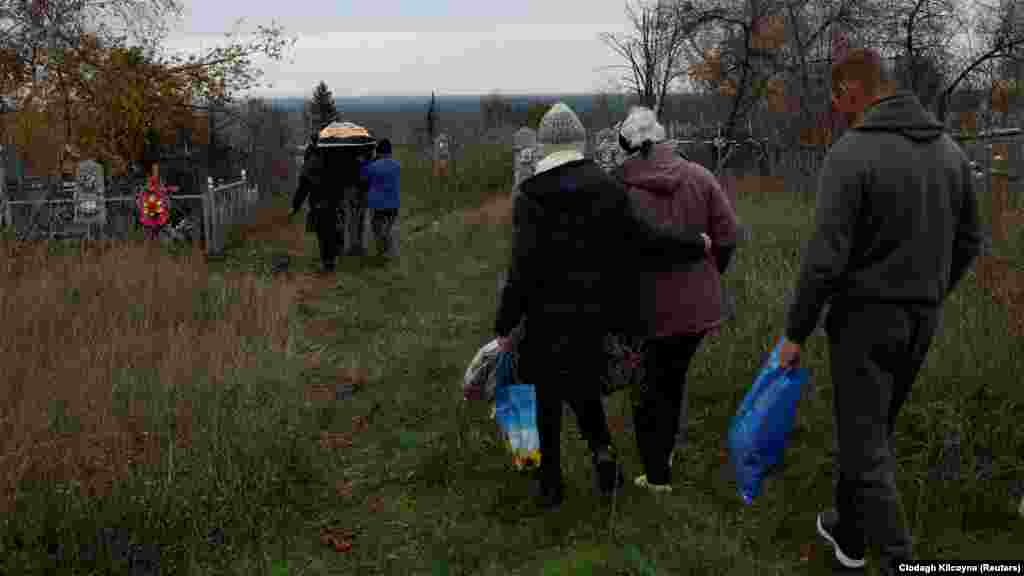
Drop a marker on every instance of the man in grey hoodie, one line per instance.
(896, 229)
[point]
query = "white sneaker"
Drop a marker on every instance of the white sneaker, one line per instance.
(826, 524)
(641, 482)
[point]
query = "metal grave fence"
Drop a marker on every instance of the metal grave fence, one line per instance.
(223, 206)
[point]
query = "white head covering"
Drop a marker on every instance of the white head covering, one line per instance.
(640, 126)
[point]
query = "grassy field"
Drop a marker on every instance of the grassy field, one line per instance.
(165, 414)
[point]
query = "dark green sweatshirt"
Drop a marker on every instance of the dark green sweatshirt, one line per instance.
(896, 218)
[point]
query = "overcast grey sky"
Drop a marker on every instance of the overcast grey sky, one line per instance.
(415, 46)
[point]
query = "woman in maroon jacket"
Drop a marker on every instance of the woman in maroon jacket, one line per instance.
(568, 289)
(672, 193)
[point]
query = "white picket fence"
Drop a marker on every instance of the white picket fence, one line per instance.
(227, 206)
(223, 207)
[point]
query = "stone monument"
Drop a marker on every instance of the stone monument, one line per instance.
(442, 154)
(525, 153)
(90, 208)
(607, 152)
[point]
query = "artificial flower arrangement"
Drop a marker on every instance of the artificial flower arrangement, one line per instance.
(155, 205)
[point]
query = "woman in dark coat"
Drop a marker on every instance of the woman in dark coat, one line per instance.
(577, 249)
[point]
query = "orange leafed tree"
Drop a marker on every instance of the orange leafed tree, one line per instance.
(708, 68)
(769, 32)
(1000, 95)
(776, 93)
(102, 98)
(742, 64)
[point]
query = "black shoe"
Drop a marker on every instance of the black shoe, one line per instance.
(890, 567)
(850, 558)
(549, 494)
(607, 472)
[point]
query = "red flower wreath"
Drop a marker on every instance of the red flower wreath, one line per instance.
(154, 204)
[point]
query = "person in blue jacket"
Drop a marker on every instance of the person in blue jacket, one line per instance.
(383, 176)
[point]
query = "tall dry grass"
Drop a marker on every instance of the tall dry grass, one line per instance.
(81, 326)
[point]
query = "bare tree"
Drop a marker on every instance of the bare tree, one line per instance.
(814, 28)
(495, 110)
(915, 33)
(995, 35)
(653, 52)
(738, 52)
(28, 26)
(263, 142)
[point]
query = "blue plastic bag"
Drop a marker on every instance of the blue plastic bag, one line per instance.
(515, 410)
(758, 432)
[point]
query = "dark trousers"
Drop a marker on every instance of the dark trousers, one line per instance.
(326, 214)
(354, 210)
(382, 222)
(657, 410)
(581, 390)
(876, 352)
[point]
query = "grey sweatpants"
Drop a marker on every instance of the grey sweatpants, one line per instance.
(876, 351)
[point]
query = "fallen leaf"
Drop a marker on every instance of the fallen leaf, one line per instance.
(374, 503)
(318, 393)
(343, 488)
(341, 540)
(806, 552)
(356, 377)
(330, 440)
(616, 423)
(359, 423)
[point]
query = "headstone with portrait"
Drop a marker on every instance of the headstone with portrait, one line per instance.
(525, 153)
(90, 207)
(607, 152)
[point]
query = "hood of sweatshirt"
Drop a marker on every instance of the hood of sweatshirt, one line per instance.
(903, 114)
(660, 174)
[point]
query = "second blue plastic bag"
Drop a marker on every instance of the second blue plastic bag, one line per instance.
(515, 410)
(758, 432)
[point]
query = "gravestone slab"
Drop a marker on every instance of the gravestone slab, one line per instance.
(525, 137)
(442, 147)
(89, 194)
(607, 152)
(526, 152)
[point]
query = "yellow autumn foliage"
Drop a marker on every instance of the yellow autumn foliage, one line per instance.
(769, 33)
(776, 93)
(709, 69)
(101, 101)
(1000, 95)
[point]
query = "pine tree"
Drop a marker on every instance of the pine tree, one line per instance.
(322, 106)
(432, 118)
